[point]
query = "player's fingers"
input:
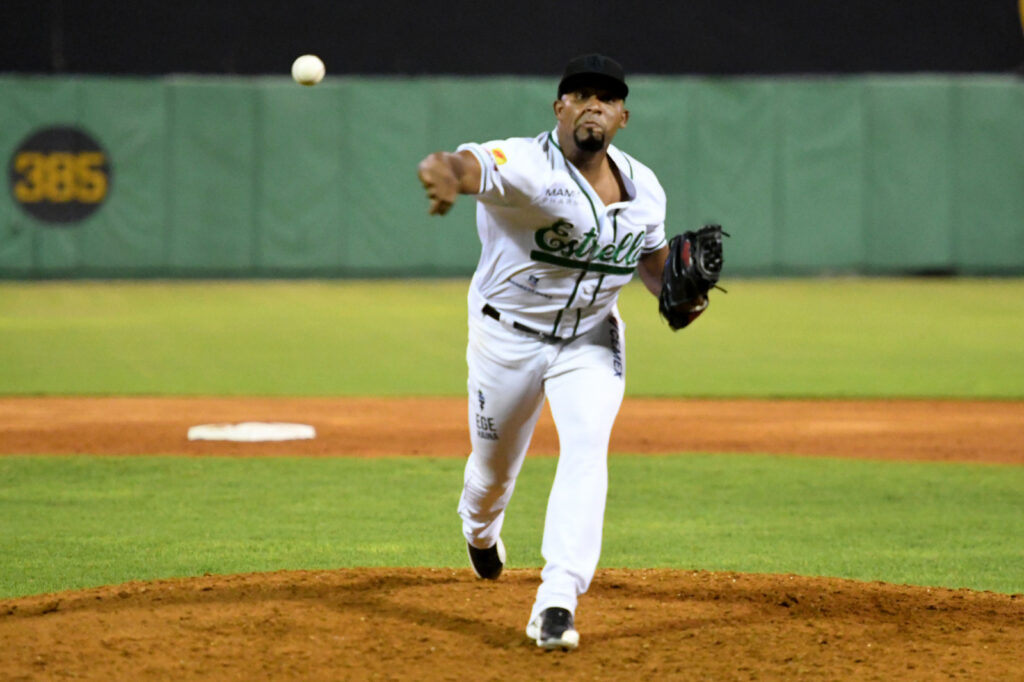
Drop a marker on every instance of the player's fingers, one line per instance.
(426, 180)
(439, 206)
(423, 171)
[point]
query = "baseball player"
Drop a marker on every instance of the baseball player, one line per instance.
(564, 220)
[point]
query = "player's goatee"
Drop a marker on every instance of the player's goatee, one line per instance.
(589, 140)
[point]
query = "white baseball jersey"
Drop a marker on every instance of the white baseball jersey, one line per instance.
(554, 256)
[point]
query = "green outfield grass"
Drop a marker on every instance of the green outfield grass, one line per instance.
(71, 522)
(779, 338)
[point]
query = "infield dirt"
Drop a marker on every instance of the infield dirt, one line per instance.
(934, 430)
(426, 624)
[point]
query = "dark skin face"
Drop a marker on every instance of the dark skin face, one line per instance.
(588, 119)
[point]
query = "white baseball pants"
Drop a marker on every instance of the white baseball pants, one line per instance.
(510, 373)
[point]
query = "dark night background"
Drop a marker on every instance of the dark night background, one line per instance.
(723, 37)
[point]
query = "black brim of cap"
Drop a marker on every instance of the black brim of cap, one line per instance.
(599, 80)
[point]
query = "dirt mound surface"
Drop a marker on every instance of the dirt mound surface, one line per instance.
(432, 624)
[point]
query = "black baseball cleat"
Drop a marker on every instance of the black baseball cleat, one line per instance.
(553, 629)
(487, 563)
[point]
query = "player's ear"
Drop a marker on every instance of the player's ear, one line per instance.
(558, 106)
(625, 117)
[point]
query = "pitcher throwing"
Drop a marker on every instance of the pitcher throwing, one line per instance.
(564, 220)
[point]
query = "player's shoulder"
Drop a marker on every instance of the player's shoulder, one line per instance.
(516, 151)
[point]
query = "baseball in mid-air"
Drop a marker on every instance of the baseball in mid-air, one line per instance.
(308, 69)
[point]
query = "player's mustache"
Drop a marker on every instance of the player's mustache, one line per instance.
(580, 123)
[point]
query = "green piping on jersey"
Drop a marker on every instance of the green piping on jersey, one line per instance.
(593, 209)
(586, 266)
(615, 235)
(628, 163)
(558, 320)
(600, 281)
(572, 297)
(597, 230)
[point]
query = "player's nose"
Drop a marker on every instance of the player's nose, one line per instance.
(592, 107)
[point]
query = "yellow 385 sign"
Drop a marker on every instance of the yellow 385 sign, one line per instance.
(59, 175)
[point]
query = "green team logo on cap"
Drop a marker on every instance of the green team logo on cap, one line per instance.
(59, 175)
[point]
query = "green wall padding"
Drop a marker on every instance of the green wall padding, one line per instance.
(26, 104)
(134, 118)
(909, 174)
(988, 214)
(254, 177)
(214, 211)
(732, 178)
(821, 167)
(302, 174)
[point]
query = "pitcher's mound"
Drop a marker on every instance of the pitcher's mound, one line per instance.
(444, 624)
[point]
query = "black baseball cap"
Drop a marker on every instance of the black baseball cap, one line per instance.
(594, 69)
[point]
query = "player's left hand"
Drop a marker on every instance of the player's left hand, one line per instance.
(692, 269)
